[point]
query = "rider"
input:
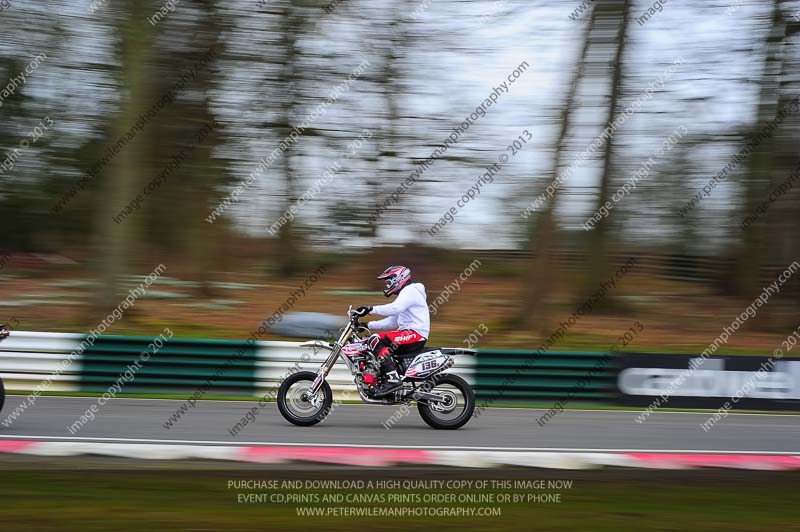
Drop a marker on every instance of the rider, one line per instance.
(408, 315)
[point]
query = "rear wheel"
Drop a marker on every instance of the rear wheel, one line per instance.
(457, 407)
(2, 395)
(297, 406)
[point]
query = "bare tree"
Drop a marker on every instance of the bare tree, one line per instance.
(761, 236)
(611, 13)
(124, 174)
(542, 236)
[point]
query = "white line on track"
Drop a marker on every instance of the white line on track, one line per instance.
(697, 412)
(369, 446)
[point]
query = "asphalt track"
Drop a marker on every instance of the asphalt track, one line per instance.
(353, 425)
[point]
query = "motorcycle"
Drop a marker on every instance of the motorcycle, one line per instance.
(4, 332)
(444, 400)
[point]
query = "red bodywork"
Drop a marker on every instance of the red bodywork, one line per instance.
(351, 350)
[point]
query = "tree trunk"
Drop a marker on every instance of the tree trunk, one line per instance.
(389, 164)
(287, 237)
(757, 180)
(599, 263)
(543, 231)
(116, 246)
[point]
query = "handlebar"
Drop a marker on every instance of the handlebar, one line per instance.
(354, 321)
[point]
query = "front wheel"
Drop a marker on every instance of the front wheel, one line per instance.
(297, 406)
(455, 410)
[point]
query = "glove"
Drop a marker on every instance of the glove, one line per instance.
(362, 311)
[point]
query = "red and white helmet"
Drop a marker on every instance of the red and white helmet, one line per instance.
(396, 278)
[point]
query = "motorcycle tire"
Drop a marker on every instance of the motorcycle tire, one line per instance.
(285, 408)
(428, 414)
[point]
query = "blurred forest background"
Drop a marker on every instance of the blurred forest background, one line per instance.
(241, 75)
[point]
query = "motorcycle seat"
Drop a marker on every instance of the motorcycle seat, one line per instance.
(415, 352)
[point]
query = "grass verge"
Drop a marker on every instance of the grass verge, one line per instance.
(90, 499)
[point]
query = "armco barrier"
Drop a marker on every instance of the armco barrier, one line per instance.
(181, 366)
(506, 376)
(28, 358)
(233, 367)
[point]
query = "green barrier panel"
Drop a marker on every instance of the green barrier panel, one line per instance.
(511, 376)
(125, 364)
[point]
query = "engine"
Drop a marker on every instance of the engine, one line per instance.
(369, 376)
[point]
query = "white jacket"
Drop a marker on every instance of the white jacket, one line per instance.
(409, 310)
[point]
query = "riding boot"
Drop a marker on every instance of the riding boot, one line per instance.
(392, 380)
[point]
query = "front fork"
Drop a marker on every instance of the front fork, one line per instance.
(324, 369)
